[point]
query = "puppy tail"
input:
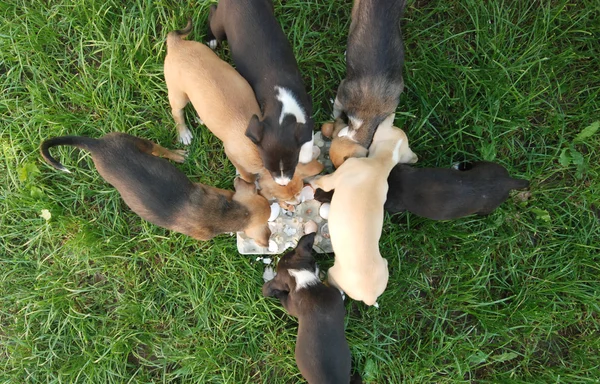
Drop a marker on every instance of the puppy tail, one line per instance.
(519, 183)
(82, 142)
(180, 33)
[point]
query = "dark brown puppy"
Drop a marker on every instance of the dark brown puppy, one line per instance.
(445, 194)
(322, 352)
(160, 193)
(263, 55)
(374, 60)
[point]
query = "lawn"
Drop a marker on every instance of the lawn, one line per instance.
(91, 293)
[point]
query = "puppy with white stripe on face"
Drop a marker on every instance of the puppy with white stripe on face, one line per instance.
(322, 352)
(263, 55)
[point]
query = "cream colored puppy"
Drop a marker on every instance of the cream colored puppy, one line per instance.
(223, 99)
(356, 213)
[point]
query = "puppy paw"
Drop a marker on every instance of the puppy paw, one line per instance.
(212, 44)
(185, 136)
(179, 155)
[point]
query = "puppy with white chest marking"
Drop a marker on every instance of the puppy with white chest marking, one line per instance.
(374, 61)
(322, 352)
(222, 98)
(356, 214)
(225, 102)
(263, 55)
(161, 194)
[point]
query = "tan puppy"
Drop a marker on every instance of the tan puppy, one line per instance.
(341, 148)
(356, 214)
(223, 99)
(270, 189)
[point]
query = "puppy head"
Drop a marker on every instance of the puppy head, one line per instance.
(278, 148)
(341, 149)
(296, 270)
(271, 190)
(392, 139)
(259, 208)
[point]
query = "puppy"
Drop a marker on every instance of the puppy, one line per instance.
(445, 194)
(222, 98)
(356, 214)
(341, 148)
(288, 193)
(374, 60)
(263, 55)
(322, 353)
(161, 194)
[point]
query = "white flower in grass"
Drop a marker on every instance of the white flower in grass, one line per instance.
(46, 215)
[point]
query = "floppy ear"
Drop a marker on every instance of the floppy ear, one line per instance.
(305, 244)
(389, 120)
(303, 132)
(275, 287)
(255, 130)
(242, 186)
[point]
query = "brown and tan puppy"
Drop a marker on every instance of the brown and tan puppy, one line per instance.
(374, 61)
(222, 98)
(356, 214)
(288, 193)
(161, 194)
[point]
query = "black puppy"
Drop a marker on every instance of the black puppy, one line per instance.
(263, 55)
(322, 353)
(444, 194)
(374, 60)
(162, 194)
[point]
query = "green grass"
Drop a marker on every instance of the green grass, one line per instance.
(97, 295)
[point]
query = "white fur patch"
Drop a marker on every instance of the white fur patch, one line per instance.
(185, 136)
(343, 132)
(282, 180)
(355, 122)
(289, 105)
(396, 155)
(212, 44)
(305, 278)
(306, 151)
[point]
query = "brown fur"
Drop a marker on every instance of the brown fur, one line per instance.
(161, 194)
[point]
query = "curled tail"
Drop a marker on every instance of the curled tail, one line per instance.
(180, 33)
(82, 142)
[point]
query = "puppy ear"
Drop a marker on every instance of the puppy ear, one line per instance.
(303, 134)
(389, 120)
(242, 186)
(305, 244)
(274, 287)
(255, 130)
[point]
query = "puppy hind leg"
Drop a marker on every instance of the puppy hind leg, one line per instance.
(147, 146)
(216, 28)
(178, 101)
